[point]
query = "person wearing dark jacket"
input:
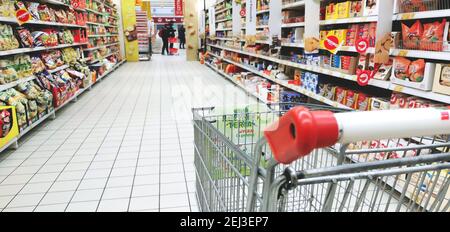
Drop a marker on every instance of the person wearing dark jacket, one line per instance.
(164, 34)
(182, 36)
(171, 32)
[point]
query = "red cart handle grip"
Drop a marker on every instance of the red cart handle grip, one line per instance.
(299, 131)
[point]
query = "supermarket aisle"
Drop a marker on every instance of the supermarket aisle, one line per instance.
(127, 145)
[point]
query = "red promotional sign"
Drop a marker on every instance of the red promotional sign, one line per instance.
(23, 16)
(363, 78)
(242, 12)
(178, 7)
(163, 20)
(331, 43)
(362, 45)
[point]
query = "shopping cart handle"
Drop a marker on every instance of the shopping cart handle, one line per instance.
(299, 131)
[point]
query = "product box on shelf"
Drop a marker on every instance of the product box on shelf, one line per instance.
(370, 7)
(441, 83)
(379, 103)
(416, 74)
(8, 125)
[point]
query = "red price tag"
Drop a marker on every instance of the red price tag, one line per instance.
(363, 78)
(242, 12)
(445, 116)
(23, 16)
(362, 45)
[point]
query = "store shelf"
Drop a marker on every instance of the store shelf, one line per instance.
(353, 49)
(102, 46)
(316, 69)
(225, 39)
(294, 45)
(96, 36)
(262, 26)
(422, 15)
(15, 83)
(34, 124)
(421, 54)
(58, 69)
(238, 84)
(224, 29)
(285, 83)
(293, 5)
(28, 50)
(95, 12)
(420, 93)
(111, 70)
(262, 12)
(223, 10)
(350, 20)
(222, 20)
(95, 24)
(289, 25)
(7, 145)
(34, 22)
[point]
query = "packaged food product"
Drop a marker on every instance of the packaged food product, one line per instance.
(22, 65)
(362, 102)
(416, 70)
(432, 37)
(5, 122)
(444, 79)
(37, 65)
(379, 103)
(401, 68)
(340, 95)
(14, 98)
(412, 35)
(33, 8)
(407, 6)
(61, 16)
(44, 13)
(7, 8)
(7, 39)
(356, 9)
(350, 99)
(398, 101)
(25, 37)
(7, 72)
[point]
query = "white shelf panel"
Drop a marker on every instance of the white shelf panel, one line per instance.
(222, 20)
(95, 12)
(28, 50)
(34, 22)
(293, 5)
(15, 83)
(421, 54)
(262, 11)
(262, 26)
(99, 47)
(223, 10)
(290, 25)
(364, 19)
(238, 84)
(96, 36)
(420, 93)
(294, 45)
(422, 15)
(225, 29)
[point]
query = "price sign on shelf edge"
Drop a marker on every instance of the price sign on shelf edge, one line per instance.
(362, 45)
(332, 44)
(363, 78)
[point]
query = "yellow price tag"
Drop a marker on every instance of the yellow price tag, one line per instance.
(403, 53)
(407, 16)
(398, 88)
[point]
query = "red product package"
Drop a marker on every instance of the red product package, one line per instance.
(401, 68)
(416, 70)
(350, 99)
(398, 100)
(362, 102)
(411, 35)
(340, 95)
(372, 34)
(352, 34)
(432, 36)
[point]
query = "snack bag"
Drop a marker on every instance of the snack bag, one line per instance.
(432, 37)
(25, 37)
(362, 102)
(411, 35)
(416, 70)
(350, 98)
(401, 68)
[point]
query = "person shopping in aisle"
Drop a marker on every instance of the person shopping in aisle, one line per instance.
(182, 36)
(164, 34)
(171, 33)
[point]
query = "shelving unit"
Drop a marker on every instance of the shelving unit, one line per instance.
(383, 26)
(6, 54)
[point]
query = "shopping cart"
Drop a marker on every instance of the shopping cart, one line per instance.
(321, 159)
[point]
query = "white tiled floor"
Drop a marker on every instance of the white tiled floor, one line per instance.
(127, 145)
